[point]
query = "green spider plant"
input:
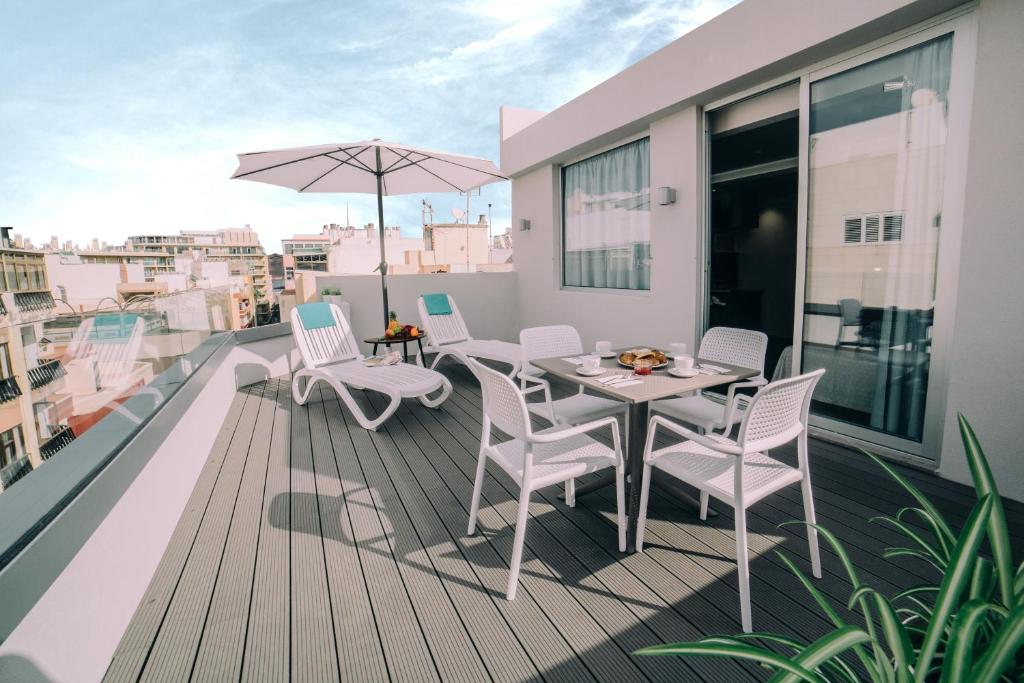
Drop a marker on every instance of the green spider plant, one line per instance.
(969, 626)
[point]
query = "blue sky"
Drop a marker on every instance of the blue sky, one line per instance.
(121, 117)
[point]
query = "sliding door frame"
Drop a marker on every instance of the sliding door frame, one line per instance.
(961, 22)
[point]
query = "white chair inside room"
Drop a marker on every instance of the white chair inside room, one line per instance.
(732, 345)
(740, 472)
(447, 334)
(537, 459)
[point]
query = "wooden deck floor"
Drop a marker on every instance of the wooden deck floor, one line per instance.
(314, 550)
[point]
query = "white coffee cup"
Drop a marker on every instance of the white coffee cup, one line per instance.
(591, 363)
(603, 348)
(684, 363)
(677, 349)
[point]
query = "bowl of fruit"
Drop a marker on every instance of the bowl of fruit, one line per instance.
(396, 329)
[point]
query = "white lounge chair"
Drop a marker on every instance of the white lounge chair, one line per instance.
(113, 342)
(740, 473)
(735, 346)
(447, 335)
(548, 342)
(535, 460)
(330, 354)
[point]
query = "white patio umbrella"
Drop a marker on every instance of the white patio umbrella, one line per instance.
(372, 167)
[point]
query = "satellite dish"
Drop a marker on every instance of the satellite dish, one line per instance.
(458, 213)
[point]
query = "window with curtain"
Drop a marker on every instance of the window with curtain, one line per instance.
(606, 219)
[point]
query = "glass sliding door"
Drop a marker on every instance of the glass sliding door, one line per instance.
(876, 151)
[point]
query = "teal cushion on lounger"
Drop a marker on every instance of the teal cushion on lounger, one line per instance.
(315, 316)
(437, 304)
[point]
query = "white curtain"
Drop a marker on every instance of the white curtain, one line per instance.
(606, 211)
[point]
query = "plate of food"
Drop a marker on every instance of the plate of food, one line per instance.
(629, 358)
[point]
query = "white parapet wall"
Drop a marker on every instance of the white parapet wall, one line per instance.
(488, 301)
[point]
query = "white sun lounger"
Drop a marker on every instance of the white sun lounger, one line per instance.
(329, 354)
(447, 335)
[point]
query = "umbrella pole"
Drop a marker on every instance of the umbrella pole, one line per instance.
(383, 258)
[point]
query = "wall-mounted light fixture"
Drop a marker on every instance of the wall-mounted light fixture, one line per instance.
(524, 224)
(666, 195)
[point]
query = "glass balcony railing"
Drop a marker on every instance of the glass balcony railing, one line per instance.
(62, 372)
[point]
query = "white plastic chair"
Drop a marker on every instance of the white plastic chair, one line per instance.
(330, 354)
(447, 335)
(114, 344)
(552, 341)
(740, 473)
(745, 348)
(549, 342)
(535, 460)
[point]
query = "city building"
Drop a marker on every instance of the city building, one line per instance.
(153, 262)
(239, 248)
(344, 250)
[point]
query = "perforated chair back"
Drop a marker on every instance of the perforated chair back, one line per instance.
(735, 346)
(443, 329)
(549, 341)
(503, 404)
(849, 311)
(778, 413)
(325, 345)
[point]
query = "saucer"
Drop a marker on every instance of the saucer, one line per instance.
(676, 372)
(589, 373)
(610, 354)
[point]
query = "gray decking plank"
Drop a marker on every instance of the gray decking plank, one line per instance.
(547, 647)
(445, 635)
(131, 653)
(566, 610)
(314, 656)
(223, 638)
(177, 643)
(267, 655)
(499, 649)
(357, 637)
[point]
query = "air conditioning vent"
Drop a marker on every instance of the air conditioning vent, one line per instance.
(892, 227)
(871, 228)
(852, 229)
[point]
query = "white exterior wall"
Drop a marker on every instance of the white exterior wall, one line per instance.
(987, 341)
(84, 284)
(487, 301)
(664, 314)
(662, 94)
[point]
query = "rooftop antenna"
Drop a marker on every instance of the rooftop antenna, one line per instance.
(427, 212)
(458, 213)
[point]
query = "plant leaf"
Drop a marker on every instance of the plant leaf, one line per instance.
(896, 636)
(824, 650)
(958, 660)
(1002, 649)
(945, 543)
(938, 558)
(984, 484)
(923, 501)
(958, 573)
(826, 607)
(982, 580)
(837, 666)
(748, 652)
